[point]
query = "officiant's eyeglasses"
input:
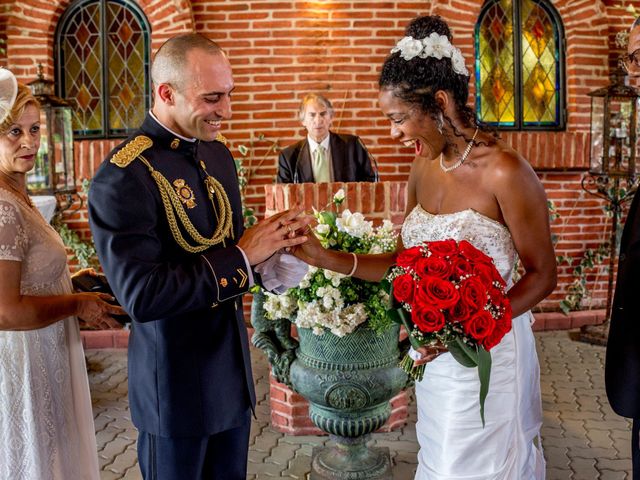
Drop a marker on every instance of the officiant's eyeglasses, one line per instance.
(631, 62)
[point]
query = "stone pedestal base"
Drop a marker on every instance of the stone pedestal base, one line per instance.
(350, 459)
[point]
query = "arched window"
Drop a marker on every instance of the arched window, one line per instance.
(519, 48)
(102, 66)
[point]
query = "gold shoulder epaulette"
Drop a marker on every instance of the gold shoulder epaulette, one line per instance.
(131, 150)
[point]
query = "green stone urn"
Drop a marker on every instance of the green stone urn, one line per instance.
(348, 382)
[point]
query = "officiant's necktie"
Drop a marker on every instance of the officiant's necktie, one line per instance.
(320, 165)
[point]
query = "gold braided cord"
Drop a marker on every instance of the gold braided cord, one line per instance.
(173, 205)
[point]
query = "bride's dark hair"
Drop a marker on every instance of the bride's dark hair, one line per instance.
(417, 80)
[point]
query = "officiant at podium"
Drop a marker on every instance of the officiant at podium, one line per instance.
(324, 156)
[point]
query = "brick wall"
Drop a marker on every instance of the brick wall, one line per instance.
(282, 50)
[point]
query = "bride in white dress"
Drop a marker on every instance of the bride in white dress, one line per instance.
(465, 184)
(46, 422)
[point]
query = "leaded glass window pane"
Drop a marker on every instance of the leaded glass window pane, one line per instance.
(496, 99)
(519, 61)
(103, 66)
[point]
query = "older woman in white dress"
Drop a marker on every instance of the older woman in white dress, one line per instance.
(46, 423)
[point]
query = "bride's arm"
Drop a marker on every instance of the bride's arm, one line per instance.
(369, 267)
(523, 204)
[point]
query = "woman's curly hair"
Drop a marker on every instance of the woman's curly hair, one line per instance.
(417, 80)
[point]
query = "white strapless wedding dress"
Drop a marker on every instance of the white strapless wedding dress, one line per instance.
(453, 443)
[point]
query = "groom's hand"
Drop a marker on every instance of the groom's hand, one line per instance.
(268, 236)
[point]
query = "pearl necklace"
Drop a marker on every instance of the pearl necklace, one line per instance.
(462, 158)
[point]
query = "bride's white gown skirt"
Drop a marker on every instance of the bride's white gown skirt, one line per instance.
(453, 444)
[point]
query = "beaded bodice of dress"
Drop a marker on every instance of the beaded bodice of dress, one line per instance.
(484, 233)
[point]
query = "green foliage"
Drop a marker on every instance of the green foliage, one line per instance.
(244, 166)
(578, 290)
(83, 250)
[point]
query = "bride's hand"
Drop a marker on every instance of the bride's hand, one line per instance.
(309, 251)
(430, 353)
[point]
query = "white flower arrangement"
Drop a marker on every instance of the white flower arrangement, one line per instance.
(330, 301)
(435, 45)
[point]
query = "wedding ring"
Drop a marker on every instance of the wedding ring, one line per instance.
(289, 229)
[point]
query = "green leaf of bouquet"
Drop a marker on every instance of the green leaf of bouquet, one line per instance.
(328, 217)
(386, 286)
(484, 373)
(464, 354)
(243, 150)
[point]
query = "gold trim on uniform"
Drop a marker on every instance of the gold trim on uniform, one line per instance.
(221, 138)
(185, 192)
(131, 151)
(243, 277)
(175, 143)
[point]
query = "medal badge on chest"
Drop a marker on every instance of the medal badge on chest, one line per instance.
(185, 193)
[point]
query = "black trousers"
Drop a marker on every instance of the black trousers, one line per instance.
(635, 448)
(222, 456)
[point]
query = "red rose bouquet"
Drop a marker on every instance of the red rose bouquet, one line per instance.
(450, 293)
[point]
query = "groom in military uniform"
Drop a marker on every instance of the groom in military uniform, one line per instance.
(166, 216)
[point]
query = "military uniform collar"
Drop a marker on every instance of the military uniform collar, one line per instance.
(164, 137)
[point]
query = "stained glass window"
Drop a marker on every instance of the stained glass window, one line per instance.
(519, 65)
(102, 66)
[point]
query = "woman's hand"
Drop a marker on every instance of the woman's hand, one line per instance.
(429, 353)
(311, 250)
(85, 271)
(93, 309)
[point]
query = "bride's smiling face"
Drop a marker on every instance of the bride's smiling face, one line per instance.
(411, 126)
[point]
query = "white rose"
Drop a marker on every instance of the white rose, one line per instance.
(339, 196)
(323, 228)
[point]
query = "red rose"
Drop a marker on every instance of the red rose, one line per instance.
(473, 293)
(427, 318)
(472, 254)
(403, 288)
(480, 325)
(461, 267)
(436, 292)
(434, 266)
(485, 272)
(408, 258)
(459, 313)
(501, 328)
(492, 339)
(496, 296)
(443, 248)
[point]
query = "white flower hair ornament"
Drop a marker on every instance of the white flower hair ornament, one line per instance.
(435, 45)
(8, 92)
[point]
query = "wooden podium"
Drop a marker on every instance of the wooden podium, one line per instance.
(376, 201)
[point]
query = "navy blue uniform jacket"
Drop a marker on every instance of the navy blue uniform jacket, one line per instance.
(189, 365)
(350, 160)
(622, 366)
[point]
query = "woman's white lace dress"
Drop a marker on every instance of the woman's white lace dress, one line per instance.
(46, 423)
(453, 443)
